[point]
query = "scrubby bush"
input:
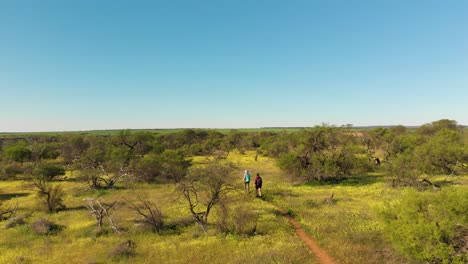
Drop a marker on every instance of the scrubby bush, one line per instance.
(16, 221)
(9, 171)
(430, 227)
(126, 249)
(43, 226)
(239, 220)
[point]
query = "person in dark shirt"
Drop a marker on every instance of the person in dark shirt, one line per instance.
(258, 184)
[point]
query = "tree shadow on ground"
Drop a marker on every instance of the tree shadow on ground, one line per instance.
(359, 180)
(8, 196)
(74, 208)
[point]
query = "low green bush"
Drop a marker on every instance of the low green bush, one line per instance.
(430, 227)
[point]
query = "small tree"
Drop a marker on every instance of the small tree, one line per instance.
(49, 195)
(72, 150)
(324, 153)
(40, 151)
(442, 152)
(379, 140)
(18, 152)
(151, 214)
(204, 188)
(104, 164)
(432, 128)
(168, 166)
(50, 171)
(403, 170)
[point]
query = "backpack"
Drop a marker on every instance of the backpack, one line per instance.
(259, 181)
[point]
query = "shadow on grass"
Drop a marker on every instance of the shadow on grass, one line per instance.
(8, 196)
(282, 193)
(75, 208)
(347, 181)
(446, 182)
(285, 213)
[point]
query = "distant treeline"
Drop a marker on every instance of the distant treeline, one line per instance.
(175, 130)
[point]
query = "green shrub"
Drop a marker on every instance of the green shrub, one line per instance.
(10, 171)
(431, 227)
(441, 153)
(170, 165)
(49, 171)
(403, 170)
(18, 151)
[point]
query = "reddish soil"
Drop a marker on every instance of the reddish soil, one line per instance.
(321, 255)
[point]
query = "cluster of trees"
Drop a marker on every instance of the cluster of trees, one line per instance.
(435, 148)
(320, 153)
(104, 161)
(323, 153)
(331, 153)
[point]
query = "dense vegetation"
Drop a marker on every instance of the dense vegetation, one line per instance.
(135, 190)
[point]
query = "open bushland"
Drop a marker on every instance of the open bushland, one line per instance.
(385, 195)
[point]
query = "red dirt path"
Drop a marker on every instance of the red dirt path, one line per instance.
(322, 255)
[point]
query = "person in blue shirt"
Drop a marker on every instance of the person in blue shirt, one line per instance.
(247, 180)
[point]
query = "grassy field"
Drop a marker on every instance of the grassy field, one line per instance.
(346, 224)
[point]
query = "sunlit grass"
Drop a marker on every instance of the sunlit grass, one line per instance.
(347, 226)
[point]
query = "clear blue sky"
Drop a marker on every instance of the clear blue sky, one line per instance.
(74, 65)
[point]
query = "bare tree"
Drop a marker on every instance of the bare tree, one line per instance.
(101, 211)
(150, 212)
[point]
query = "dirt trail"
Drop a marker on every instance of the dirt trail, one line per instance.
(321, 255)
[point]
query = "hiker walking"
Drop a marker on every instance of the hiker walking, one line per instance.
(258, 185)
(247, 180)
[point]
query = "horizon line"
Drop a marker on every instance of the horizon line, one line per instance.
(206, 128)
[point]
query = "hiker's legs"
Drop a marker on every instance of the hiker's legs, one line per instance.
(259, 192)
